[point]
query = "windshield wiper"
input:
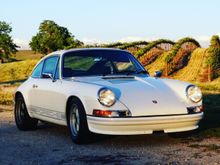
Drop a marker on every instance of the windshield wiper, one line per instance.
(141, 72)
(126, 72)
(107, 74)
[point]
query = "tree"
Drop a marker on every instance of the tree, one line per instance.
(215, 42)
(7, 46)
(52, 37)
(213, 58)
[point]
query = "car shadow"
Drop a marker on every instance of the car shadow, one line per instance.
(98, 139)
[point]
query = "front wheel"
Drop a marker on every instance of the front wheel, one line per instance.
(22, 119)
(77, 123)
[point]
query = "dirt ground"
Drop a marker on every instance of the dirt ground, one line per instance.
(51, 144)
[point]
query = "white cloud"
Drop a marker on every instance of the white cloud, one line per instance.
(23, 44)
(90, 41)
(203, 40)
(134, 38)
(125, 39)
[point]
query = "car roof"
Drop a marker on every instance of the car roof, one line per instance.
(60, 52)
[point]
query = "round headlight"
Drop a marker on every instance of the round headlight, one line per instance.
(194, 93)
(106, 97)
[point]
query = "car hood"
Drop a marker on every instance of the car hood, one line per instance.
(143, 96)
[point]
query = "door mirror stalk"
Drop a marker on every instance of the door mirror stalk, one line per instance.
(48, 75)
(158, 74)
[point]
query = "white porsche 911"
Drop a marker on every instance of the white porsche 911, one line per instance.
(104, 91)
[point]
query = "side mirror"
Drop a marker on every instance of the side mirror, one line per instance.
(47, 75)
(158, 73)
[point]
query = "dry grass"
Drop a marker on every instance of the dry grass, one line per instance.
(26, 55)
(15, 71)
(158, 64)
(6, 94)
(193, 70)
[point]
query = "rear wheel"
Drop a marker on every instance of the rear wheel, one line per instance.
(77, 122)
(22, 119)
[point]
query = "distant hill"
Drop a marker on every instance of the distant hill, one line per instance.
(183, 60)
(26, 55)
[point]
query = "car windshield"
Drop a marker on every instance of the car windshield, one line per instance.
(100, 62)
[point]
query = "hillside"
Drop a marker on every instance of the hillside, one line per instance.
(26, 55)
(20, 69)
(183, 60)
(16, 70)
(193, 71)
(158, 64)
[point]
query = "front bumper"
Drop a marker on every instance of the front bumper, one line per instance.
(143, 125)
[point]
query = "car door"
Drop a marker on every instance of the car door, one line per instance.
(48, 99)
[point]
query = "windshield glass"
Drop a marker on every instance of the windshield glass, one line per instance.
(100, 62)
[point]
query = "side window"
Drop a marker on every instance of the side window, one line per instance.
(50, 65)
(37, 71)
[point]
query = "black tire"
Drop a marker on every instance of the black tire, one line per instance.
(22, 119)
(77, 122)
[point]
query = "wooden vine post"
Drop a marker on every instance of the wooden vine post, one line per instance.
(209, 73)
(167, 69)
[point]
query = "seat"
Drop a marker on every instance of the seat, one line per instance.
(67, 72)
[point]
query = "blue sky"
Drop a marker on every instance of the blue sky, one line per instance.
(95, 21)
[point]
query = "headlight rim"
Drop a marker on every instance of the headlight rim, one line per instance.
(105, 88)
(187, 88)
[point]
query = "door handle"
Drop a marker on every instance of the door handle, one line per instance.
(35, 86)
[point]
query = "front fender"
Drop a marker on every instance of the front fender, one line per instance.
(88, 94)
(179, 88)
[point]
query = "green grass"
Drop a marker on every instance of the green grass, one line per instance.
(213, 86)
(210, 125)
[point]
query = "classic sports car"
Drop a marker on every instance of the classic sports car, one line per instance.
(104, 91)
